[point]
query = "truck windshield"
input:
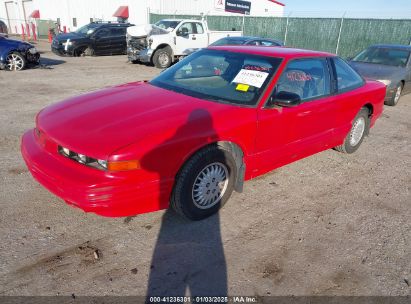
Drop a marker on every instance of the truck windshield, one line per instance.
(165, 24)
(221, 76)
(87, 29)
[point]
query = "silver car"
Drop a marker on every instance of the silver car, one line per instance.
(388, 63)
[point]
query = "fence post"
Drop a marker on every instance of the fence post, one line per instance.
(242, 26)
(148, 15)
(339, 34)
(286, 29)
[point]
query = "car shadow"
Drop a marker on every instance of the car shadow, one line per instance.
(50, 62)
(188, 255)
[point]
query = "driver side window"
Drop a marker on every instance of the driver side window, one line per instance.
(308, 78)
(188, 26)
(102, 33)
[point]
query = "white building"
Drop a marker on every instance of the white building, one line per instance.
(76, 13)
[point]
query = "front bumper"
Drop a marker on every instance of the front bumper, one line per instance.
(87, 188)
(137, 55)
(60, 50)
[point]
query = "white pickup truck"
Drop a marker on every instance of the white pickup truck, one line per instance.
(168, 40)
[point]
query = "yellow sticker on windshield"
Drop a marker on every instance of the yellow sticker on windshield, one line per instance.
(242, 87)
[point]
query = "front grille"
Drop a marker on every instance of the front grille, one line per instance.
(137, 43)
(81, 158)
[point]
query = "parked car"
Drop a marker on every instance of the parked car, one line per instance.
(169, 40)
(16, 55)
(200, 129)
(247, 40)
(96, 38)
(388, 63)
(3, 28)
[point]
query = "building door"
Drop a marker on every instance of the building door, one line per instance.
(12, 19)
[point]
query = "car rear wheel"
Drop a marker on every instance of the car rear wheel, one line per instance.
(359, 129)
(396, 97)
(204, 184)
(15, 62)
(162, 58)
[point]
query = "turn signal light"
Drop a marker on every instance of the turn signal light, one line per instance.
(123, 165)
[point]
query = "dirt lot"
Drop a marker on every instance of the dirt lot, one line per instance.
(331, 224)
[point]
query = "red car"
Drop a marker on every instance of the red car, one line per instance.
(194, 133)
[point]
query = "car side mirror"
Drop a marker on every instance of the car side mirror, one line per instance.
(285, 99)
(183, 31)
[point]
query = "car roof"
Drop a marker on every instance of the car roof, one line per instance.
(392, 46)
(284, 52)
(247, 38)
(178, 20)
(101, 24)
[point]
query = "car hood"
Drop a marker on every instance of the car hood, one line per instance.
(144, 30)
(99, 123)
(376, 71)
(5, 42)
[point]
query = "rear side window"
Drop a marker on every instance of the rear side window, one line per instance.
(268, 43)
(308, 78)
(347, 78)
(199, 28)
(117, 31)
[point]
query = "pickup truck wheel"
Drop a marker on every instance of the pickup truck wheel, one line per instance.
(15, 62)
(396, 97)
(204, 184)
(359, 129)
(162, 58)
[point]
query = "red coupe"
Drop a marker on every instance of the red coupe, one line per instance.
(196, 132)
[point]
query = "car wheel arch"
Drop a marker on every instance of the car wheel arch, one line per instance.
(370, 109)
(236, 151)
(163, 46)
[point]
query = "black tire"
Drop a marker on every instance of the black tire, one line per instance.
(350, 146)
(393, 101)
(79, 51)
(88, 52)
(162, 58)
(182, 198)
(15, 62)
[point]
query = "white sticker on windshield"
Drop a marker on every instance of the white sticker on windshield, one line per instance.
(250, 77)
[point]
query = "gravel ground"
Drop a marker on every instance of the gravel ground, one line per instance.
(330, 224)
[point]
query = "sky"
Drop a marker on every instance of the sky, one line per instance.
(351, 8)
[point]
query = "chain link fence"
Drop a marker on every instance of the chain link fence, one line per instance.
(344, 36)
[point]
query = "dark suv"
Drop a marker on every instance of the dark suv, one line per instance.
(3, 28)
(96, 38)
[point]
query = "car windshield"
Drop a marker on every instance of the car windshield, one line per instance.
(87, 29)
(385, 56)
(166, 24)
(221, 76)
(228, 41)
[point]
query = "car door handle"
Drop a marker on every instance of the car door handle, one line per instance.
(193, 38)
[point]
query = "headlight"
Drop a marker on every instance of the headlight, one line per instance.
(68, 43)
(385, 81)
(32, 50)
(83, 159)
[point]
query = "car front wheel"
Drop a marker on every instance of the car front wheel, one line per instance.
(359, 129)
(162, 58)
(204, 184)
(15, 62)
(396, 97)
